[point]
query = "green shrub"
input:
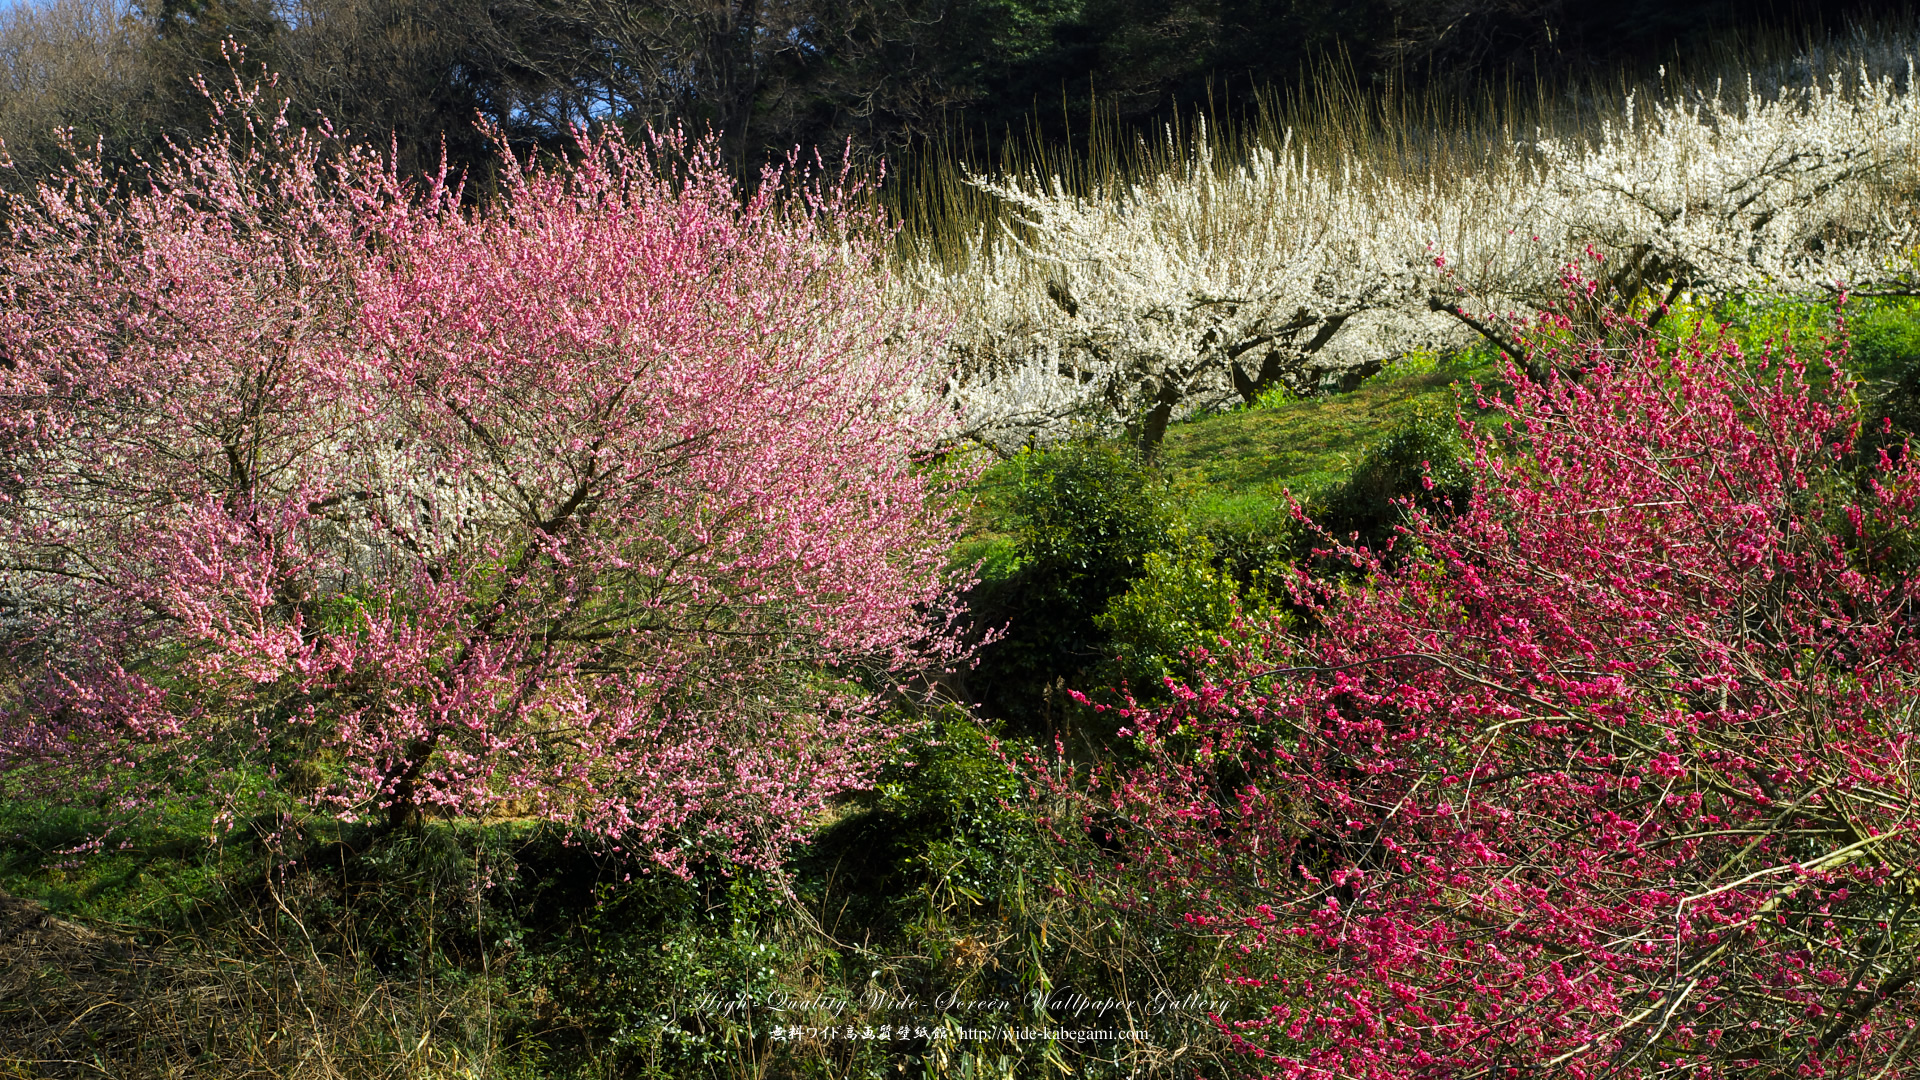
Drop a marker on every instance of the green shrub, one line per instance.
(1414, 364)
(1085, 514)
(937, 829)
(1084, 517)
(1418, 462)
(1182, 600)
(621, 972)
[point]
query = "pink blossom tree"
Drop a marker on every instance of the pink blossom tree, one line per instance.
(1614, 778)
(599, 501)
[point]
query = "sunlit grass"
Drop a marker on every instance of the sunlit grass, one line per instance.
(1239, 468)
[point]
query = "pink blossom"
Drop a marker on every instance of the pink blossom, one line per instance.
(600, 501)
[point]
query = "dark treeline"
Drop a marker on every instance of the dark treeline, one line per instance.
(773, 74)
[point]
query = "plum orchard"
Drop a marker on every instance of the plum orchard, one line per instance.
(1221, 272)
(597, 502)
(1615, 777)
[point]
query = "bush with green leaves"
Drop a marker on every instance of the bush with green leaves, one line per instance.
(941, 830)
(1183, 600)
(1084, 516)
(1419, 463)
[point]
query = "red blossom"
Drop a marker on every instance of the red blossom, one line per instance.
(1616, 780)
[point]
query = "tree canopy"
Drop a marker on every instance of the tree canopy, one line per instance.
(773, 75)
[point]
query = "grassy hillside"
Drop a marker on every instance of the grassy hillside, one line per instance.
(1238, 467)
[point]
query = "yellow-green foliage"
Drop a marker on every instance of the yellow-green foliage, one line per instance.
(1180, 602)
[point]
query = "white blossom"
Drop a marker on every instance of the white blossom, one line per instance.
(1210, 280)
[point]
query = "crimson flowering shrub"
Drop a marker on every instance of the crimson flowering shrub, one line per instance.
(597, 501)
(1613, 777)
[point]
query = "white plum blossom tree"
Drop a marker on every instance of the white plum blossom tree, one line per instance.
(1214, 276)
(1205, 283)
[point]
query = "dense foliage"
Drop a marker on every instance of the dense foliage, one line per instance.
(1085, 520)
(810, 72)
